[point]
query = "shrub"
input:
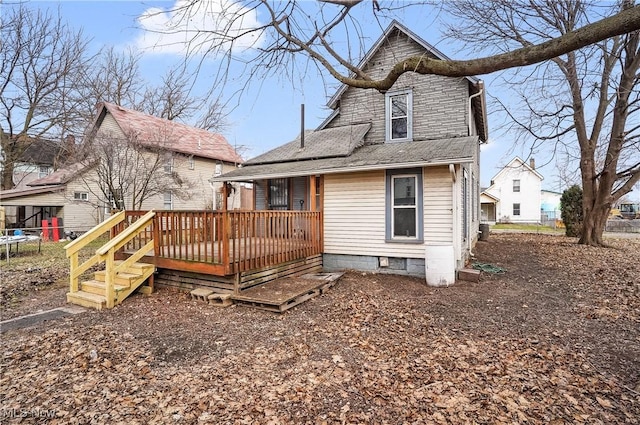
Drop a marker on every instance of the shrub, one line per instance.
(571, 207)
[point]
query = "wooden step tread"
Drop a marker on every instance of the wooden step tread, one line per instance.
(100, 284)
(136, 265)
(123, 275)
(87, 299)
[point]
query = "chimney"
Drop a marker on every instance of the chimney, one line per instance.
(532, 163)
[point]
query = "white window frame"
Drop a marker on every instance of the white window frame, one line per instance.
(391, 175)
(516, 185)
(81, 196)
(389, 110)
(43, 171)
(519, 209)
(168, 200)
(168, 164)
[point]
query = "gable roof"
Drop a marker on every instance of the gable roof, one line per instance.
(365, 158)
(62, 175)
(516, 163)
(184, 139)
(327, 143)
(476, 85)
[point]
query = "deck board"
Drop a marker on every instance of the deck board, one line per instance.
(282, 294)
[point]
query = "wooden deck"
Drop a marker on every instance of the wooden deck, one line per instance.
(229, 242)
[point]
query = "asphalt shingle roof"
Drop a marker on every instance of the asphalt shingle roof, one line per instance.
(378, 156)
(184, 139)
(327, 143)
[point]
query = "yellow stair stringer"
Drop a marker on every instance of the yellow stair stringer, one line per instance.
(146, 272)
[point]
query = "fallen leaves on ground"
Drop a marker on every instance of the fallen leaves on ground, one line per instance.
(523, 347)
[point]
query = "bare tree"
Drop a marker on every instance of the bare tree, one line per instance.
(126, 172)
(40, 58)
(584, 104)
(524, 32)
(116, 78)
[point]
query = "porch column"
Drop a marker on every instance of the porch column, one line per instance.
(312, 193)
(225, 196)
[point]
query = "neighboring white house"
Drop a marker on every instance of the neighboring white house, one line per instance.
(73, 193)
(395, 174)
(515, 194)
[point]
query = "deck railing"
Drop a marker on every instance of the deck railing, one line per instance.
(235, 241)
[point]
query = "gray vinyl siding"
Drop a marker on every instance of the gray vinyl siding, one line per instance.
(300, 193)
(440, 104)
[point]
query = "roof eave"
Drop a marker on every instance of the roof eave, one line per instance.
(351, 169)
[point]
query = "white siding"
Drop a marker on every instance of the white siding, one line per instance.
(354, 214)
(529, 196)
(438, 205)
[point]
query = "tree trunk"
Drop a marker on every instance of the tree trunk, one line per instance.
(7, 175)
(594, 222)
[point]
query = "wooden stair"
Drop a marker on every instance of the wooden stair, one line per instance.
(92, 292)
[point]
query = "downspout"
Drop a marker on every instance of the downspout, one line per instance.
(469, 111)
(454, 212)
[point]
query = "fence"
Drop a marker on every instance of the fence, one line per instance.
(34, 241)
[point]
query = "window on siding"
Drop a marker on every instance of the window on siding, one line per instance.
(80, 196)
(516, 185)
(516, 209)
(168, 200)
(43, 171)
(404, 205)
(115, 201)
(168, 163)
(399, 112)
(278, 194)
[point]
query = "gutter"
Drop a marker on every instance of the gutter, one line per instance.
(361, 168)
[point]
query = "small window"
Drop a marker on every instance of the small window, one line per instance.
(192, 163)
(516, 209)
(168, 201)
(80, 196)
(168, 164)
(399, 116)
(43, 171)
(516, 185)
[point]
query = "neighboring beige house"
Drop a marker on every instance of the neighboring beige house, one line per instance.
(515, 194)
(74, 194)
(395, 174)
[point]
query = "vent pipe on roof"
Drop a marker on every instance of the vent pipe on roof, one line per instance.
(302, 126)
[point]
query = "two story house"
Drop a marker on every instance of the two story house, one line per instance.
(77, 195)
(395, 174)
(515, 194)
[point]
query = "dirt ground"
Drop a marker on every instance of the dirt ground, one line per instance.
(553, 340)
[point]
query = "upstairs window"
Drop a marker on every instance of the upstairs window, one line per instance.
(516, 185)
(399, 112)
(80, 196)
(168, 163)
